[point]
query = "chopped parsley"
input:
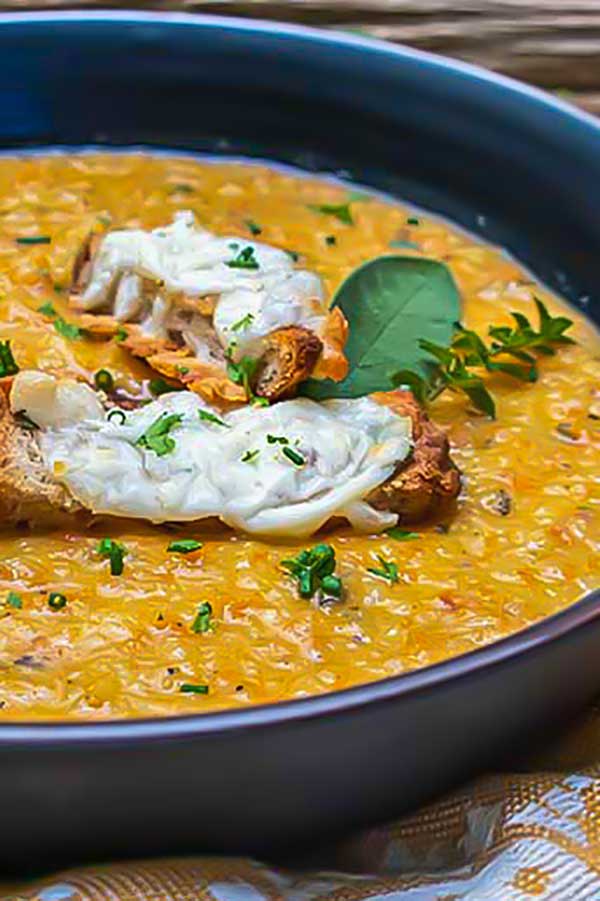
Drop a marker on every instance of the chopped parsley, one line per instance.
(14, 600)
(64, 328)
(34, 239)
(117, 414)
(56, 601)
(103, 380)
(243, 323)
(277, 439)
(401, 534)
(245, 259)
(253, 227)
(250, 456)
(113, 551)
(205, 416)
(341, 211)
(184, 546)
(294, 456)
(314, 571)
(8, 365)
(202, 622)
(387, 570)
(193, 688)
(156, 438)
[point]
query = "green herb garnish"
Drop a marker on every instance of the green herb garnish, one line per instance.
(330, 240)
(412, 220)
(103, 380)
(243, 323)
(113, 551)
(210, 417)
(294, 456)
(119, 414)
(8, 365)
(295, 256)
(250, 456)
(253, 227)
(390, 303)
(245, 259)
(14, 600)
(191, 688)
(120, 334)
(34, 239)
(182, 189)
(401, 534)
(242, 372)
(314, 571)
(156, 438)
(341, 211)
(453, 364)
(277, 439)
(56, 601)
(202, 622)
(388, 570)
(159, 386)
(64, 328)
(184, 546)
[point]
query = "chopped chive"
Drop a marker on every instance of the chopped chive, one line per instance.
(160, 386)
(47, 309)
(388, 570)
(56, 601)
(191, 688)
(401, 534)
(182, 189)
(245, 259)
(156, 438)
(120, 334)
(182, 370)
(8, 365)
(117, 414)
(202, 622)
(250, 456)
(341, 211)
(293, 254)
(253, 227)
(14, 600)
(243, 323)
(412, 220)
(294, 456)
(210, 417)
(184, 546)
(34, 239)
(113, 551)
(330, 240)
(64, 328)
(313, 570)
(103, 380)
(277, 439)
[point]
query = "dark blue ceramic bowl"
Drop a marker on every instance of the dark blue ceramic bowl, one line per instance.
(503, 160)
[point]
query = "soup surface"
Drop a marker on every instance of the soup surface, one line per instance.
(522, 543)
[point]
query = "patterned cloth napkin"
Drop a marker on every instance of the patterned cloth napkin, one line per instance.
(533, 834)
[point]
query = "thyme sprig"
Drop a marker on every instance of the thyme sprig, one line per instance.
(521, 344)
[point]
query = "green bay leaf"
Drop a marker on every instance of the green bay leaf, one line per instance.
(391, 304)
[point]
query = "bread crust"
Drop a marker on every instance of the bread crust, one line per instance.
(28, 494)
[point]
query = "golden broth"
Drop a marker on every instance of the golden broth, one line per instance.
(123, 645)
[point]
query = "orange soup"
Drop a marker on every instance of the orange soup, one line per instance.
(522, 543)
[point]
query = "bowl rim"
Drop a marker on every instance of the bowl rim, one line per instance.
(523, 642)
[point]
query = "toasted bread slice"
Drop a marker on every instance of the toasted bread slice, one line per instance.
(28, 493)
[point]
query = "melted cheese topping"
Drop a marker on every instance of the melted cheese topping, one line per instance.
(183, 259)
(235, 469)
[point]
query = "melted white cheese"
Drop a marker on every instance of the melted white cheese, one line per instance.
(182, 258)
(350, 447)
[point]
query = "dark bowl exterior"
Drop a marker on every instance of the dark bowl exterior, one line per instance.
(497, 157)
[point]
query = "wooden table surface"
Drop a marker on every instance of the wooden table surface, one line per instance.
(551, 43)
